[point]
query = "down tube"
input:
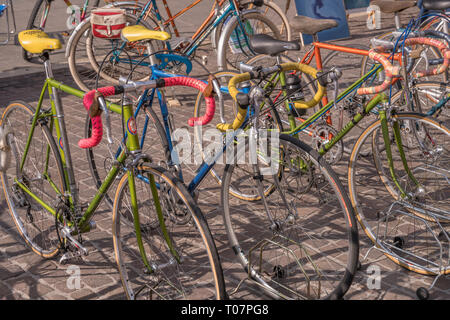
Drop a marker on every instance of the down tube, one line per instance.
(353, 122)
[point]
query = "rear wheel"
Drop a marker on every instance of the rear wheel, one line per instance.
(116, 58)
(234, 42)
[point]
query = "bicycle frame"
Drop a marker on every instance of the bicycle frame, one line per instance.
(69, 187)
(147, 99)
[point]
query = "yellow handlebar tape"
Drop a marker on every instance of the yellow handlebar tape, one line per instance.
(242, 112)
(313, 73)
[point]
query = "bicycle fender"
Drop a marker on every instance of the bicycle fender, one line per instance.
(221, 63)
(72, 35)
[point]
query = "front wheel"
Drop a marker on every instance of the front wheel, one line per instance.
(402, 207)
(234, 44)
(300, 241)
(162, 242)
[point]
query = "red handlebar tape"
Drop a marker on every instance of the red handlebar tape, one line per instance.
(97, 127)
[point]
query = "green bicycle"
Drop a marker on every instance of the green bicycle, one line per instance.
(157, 257)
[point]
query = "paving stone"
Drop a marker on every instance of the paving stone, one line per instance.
(24, 275)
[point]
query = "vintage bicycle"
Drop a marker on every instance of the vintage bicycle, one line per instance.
(157, 258)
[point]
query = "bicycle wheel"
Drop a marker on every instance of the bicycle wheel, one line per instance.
(43, 17)
(42, 174)
(272, 11)
(409, 229)
(320, 132)
(429, 95)
(101, 158)
(270, 120)
(301, 241)
(268, 9)
(183, 262)
(87, 53)
(233, 47)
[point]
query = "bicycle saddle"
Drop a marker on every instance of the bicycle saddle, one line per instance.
(265, 44)
(138, 32)
(436, 4)
(311, 26)
(392, 6)
(37, 41)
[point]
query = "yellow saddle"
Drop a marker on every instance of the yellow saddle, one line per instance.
(138, 32)
(37, 41)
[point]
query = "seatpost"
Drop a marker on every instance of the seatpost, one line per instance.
(151, 55)
(62, 128)
(397, 21)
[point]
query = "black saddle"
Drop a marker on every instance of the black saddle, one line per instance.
(265, 44)
(392, 6)
(311, 26)
(436, 4)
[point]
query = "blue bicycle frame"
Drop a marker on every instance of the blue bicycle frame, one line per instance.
(147, 99)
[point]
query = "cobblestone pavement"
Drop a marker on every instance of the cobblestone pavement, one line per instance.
(24, 275)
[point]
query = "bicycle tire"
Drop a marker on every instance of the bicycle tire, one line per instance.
(251, 232)
(84, 69)
(33, 222)
(99, 159)
(270, 121)
(204, 262)
(285, 29)
(406, 230)
(229, 29)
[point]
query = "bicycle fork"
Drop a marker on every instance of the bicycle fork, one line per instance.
(387, 142)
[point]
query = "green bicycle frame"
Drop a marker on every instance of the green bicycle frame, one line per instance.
(132, 143)
(374, 102)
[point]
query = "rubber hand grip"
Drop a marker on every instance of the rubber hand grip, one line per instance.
(96, 120)
(389, 70)
(201, 86)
